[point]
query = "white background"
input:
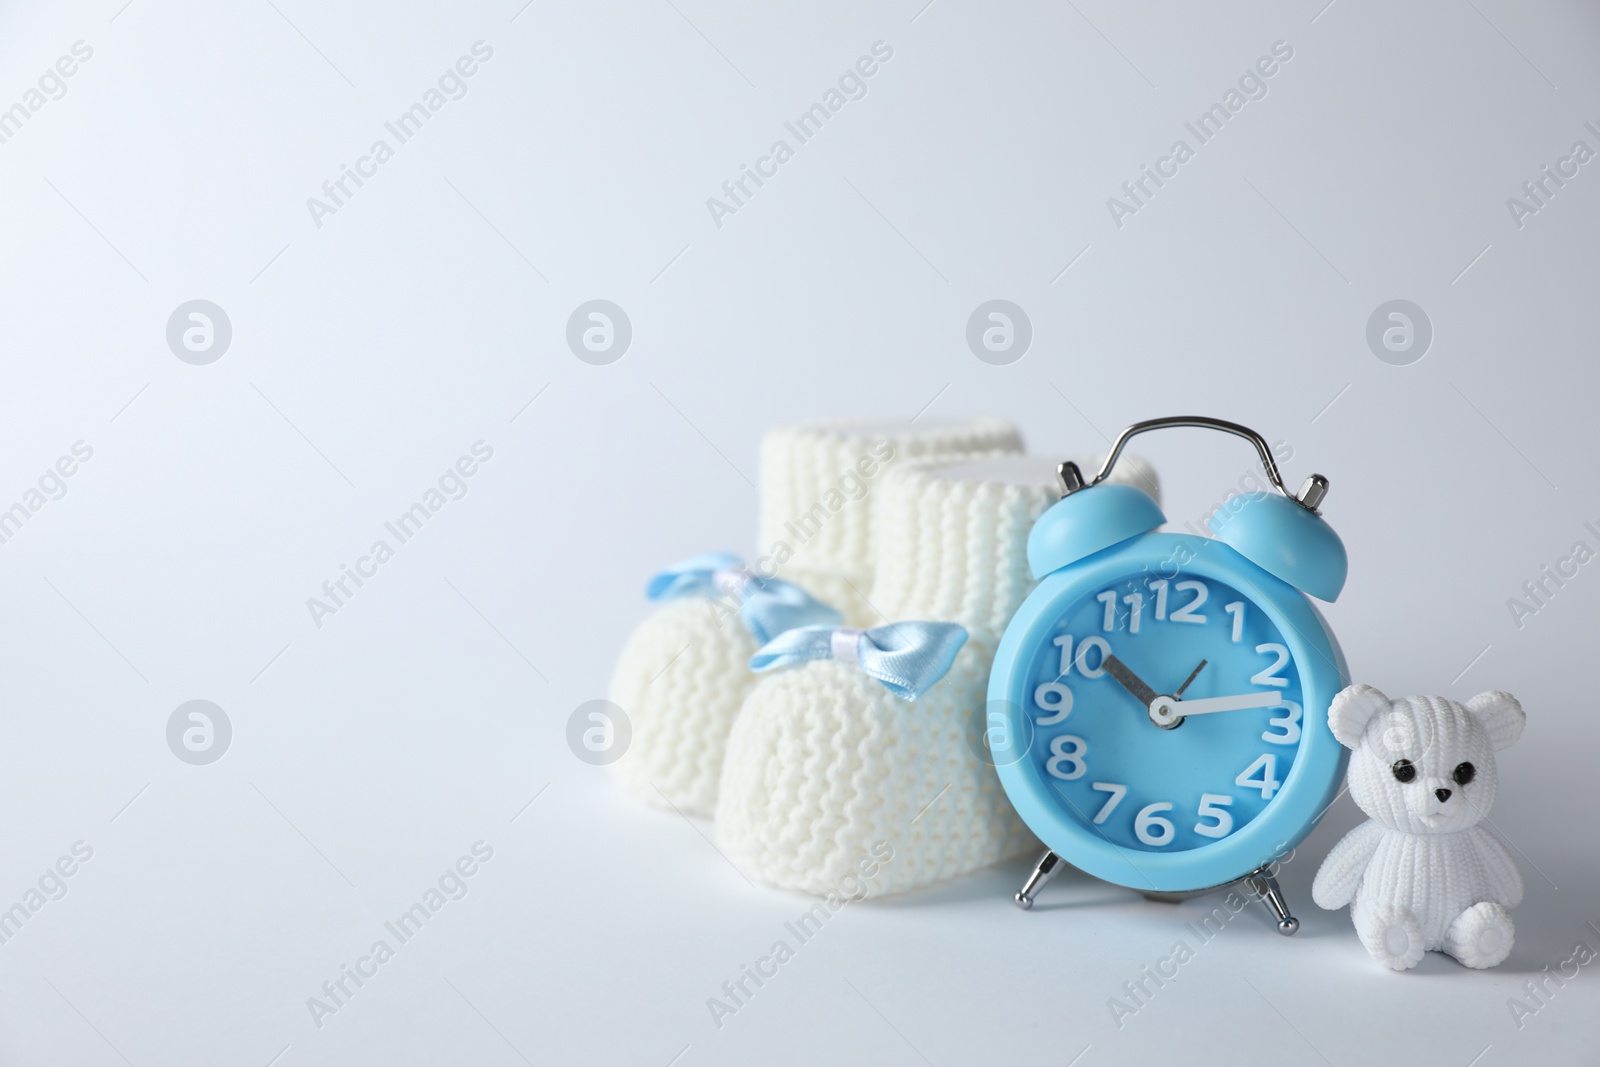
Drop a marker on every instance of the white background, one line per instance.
(372, 351)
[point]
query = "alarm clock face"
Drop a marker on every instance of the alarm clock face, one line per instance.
(1132, 764)
(1220, 743)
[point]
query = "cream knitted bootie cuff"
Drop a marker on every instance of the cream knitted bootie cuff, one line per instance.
(816, 520)
(952, 537)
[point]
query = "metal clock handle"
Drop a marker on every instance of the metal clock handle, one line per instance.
(1310, 496)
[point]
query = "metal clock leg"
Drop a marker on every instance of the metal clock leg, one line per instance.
(1266, 887)
(1043, 871)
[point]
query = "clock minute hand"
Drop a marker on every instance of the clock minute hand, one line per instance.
(1238, 702)
(1129, 681)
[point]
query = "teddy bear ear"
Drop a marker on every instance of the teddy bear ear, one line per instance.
(1501, 716)
(1351, 710)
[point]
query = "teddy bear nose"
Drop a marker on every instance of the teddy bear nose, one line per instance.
(1442, 794)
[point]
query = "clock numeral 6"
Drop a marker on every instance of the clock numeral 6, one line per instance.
(1150, 827)
(1067, 749)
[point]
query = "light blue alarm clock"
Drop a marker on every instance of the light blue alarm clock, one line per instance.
(1158, 705)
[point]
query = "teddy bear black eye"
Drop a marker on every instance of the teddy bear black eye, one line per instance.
(1403, 770)
(1463, 773)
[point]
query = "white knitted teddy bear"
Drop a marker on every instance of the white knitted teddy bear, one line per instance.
(1421, 874)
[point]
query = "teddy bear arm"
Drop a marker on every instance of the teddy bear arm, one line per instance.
(1340, 874)
(1505, 880)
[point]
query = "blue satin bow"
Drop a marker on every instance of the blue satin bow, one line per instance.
(907, 657)
(767, 606)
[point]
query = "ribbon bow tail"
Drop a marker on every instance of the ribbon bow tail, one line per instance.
(767, 606)
(772, 606)
(695, 576)
(906, 658)
(909, 658)
(794, 646)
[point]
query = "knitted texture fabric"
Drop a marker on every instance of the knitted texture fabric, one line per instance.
(953, 538)
(844, 592)
(684, 671)
(824, 763)
(816, 477)
(680, 679)
(1421, 874)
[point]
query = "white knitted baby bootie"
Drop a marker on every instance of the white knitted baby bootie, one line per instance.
(685, 671)
(828, 769)
(825, 766)
(816, 520)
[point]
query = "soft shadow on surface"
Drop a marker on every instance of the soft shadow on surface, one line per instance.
(998, 885)
(1541, 941)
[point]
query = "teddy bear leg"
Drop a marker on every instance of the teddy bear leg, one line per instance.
(1393, 937)
(1481, 936)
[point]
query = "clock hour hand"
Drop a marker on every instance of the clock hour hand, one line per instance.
(1192, 676)
(1129, 681)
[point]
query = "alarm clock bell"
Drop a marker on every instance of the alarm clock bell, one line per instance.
(1283, 534)
(1087, 520)
(1287, 539)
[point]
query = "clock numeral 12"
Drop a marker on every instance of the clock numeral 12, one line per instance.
(1187, 613)
(1183, 614)
(1160, 586)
